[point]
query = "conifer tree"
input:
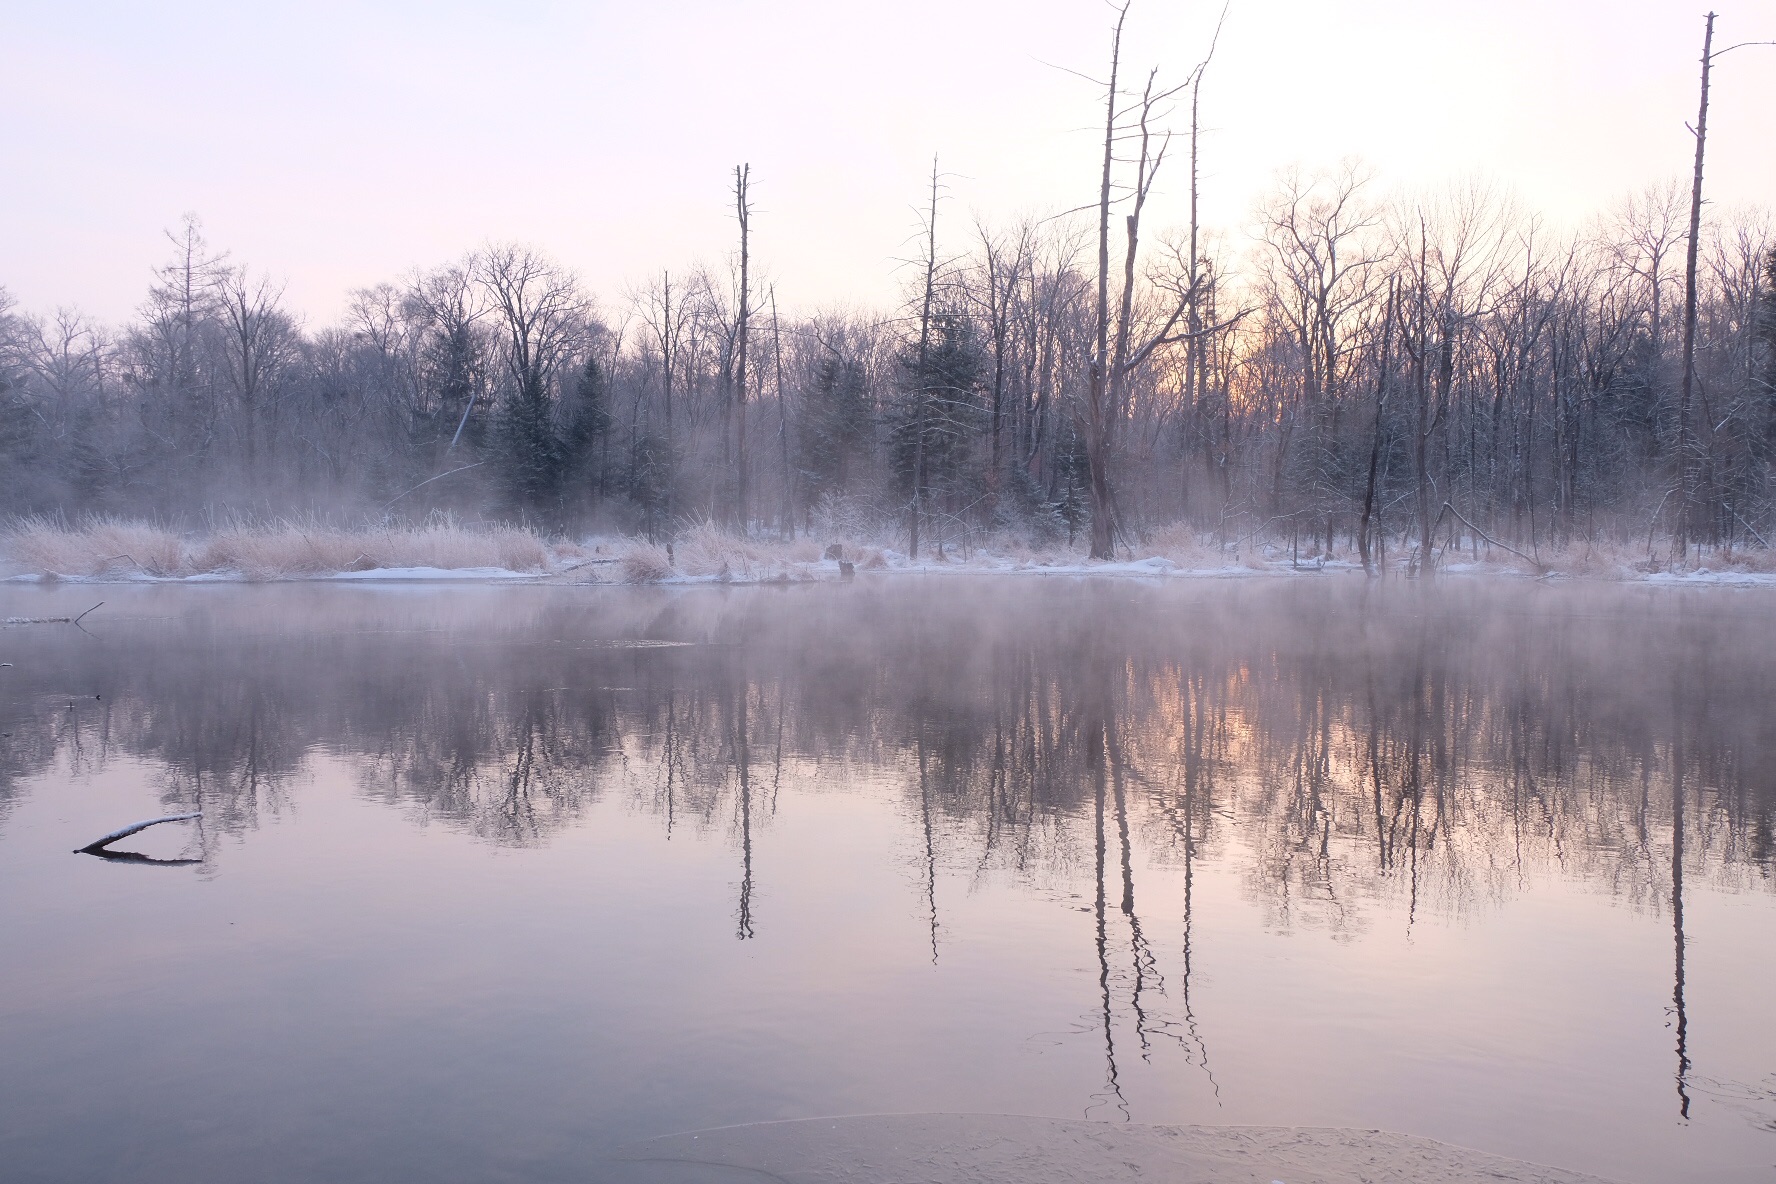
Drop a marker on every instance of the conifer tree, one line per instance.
(835, 427)
(940, 412)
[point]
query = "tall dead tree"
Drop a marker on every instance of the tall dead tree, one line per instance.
(921, 395)
(1196, 383)
(1688, 449)
(1119, 346)
(743, 210)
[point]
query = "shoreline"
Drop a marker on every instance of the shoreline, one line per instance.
(1151, 568)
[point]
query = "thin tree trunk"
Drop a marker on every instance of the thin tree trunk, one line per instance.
(1098, 394)
(1685, 446)
(788, 524)
(1381, 378)
(742, 173)
(921, 396)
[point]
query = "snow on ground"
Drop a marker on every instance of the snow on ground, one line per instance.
(893, 563)
(380, 574)
(431, 573)
(128, 552)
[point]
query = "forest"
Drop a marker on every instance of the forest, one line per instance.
(1376, 372)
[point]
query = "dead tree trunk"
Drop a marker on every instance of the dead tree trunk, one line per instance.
(1116, 358)
(1095, 423)
(921, 393)
(1686, 445)
(742, 173)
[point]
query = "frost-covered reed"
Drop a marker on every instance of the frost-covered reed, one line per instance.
(109, 547)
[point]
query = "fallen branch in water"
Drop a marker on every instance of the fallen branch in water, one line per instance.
(97, 845)
(47, 620)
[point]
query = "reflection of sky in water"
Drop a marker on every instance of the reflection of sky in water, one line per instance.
(491, 878)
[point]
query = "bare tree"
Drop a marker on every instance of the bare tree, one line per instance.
(742, 211)
(1120, 345)
(542, 315)
(260, 340)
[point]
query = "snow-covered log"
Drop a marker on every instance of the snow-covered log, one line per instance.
(124, 832)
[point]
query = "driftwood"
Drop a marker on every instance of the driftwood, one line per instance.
(47, 620)
(96, 847)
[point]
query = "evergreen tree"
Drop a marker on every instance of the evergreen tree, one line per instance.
(586, 437)
(939, 413)
(648, 483)
(1070, 502)
(532, 453)
(835, 427)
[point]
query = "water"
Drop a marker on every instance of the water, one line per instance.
(490, 880)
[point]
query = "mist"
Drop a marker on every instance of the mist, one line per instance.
(1367, 370)
(1095, 593)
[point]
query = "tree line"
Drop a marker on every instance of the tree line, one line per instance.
(1391, 374)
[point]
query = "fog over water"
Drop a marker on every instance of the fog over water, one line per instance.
(491, 879)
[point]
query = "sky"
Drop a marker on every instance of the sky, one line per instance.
(333, 145)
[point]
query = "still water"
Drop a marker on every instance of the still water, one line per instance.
(490, 880)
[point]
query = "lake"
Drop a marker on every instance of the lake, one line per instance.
(490, 880)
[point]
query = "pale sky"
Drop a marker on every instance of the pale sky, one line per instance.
(337, 144)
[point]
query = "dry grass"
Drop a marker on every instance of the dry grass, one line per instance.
(101, 546)
(288, 549)
(1609, 559)
(644, 563)
(109, 547)
(115, 548)
(1187, 547)
(707, 550)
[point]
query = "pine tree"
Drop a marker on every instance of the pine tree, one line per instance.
(586, 438)
(532, 452)
(834, 428)
(940, 411)
(648, 483)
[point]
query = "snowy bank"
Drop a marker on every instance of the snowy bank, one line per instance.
(108, 550)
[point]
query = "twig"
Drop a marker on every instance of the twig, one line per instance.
(1653, 522)
(429, 480)
(76, 620)
(94, 847)
(1748, 526)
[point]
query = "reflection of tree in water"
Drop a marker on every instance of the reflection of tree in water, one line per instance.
(512, 766)
(1342, 744)
(1444, 747)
